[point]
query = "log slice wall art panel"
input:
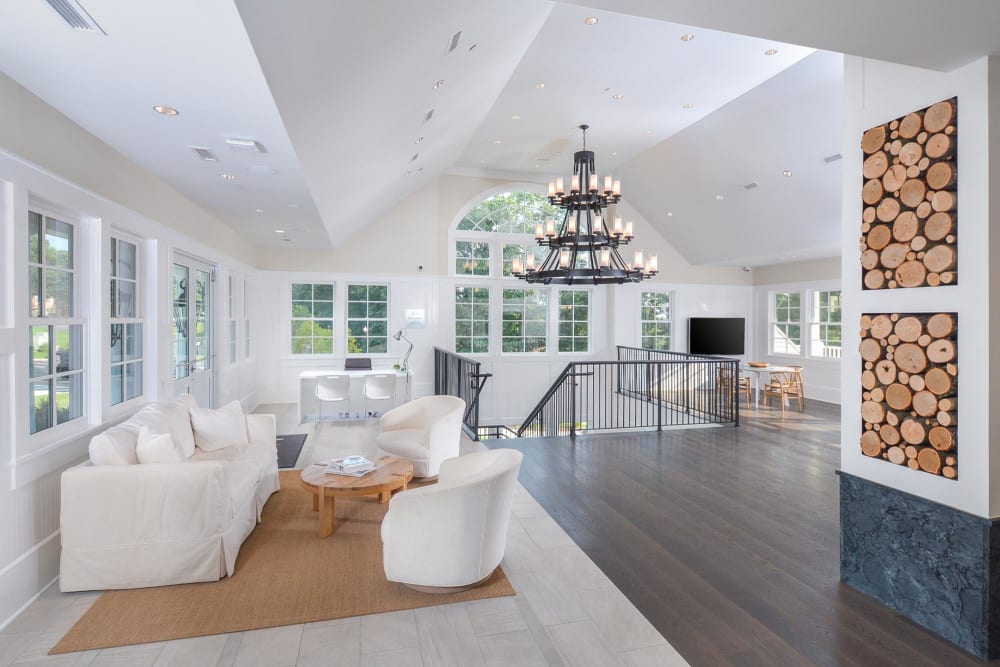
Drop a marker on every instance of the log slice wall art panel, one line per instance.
(910, 200)
(909, 386)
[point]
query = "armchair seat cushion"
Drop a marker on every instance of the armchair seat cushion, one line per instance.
(404, 443)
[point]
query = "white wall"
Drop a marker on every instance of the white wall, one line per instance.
(876, 92)
(44, 156)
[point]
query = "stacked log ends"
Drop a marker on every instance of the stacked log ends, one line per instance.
(910, 408)
(910, 194)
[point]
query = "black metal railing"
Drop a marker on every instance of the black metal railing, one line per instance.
(643, 389)
(460, 376)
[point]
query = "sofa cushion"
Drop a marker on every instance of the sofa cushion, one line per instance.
(172, 418)
(216, 429)
(404, 442)
(113, 447)
(153, 447)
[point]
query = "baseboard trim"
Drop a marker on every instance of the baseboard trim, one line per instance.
(26, 578)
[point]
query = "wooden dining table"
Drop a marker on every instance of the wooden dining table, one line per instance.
(757, 372)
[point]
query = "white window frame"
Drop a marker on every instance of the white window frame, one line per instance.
(548, 307)
(472, 320)
(774, 322)
(56, 431)
(232, 334)
(247, 339)
(348, 319)
(818, 348)
(669, 321)
(293, 318)
(589, 321)
(138, 319)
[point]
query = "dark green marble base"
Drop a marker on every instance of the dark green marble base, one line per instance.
(935, 565)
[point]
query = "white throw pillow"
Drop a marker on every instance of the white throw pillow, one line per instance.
(170, 417)
(155, 447)
(108, 450)
(215, 429)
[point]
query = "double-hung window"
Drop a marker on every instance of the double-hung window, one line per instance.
(825, 325)
(312, 318)
(786, 323)
(367, 319)
(231, 312)
(247, 340)
(126, 324)
(525, 320)
(574, 320)
(654, 320)
(56, 359)
(472, 320)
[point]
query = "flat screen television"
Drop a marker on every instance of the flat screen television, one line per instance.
(716, 335)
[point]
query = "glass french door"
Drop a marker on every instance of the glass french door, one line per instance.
(193, 329)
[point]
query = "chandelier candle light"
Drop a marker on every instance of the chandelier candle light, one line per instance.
(584, 248)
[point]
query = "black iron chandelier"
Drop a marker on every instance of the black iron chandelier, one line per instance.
(584, 248)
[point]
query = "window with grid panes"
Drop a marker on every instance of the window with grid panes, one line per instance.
(654, 320)
(786, 323)
(367, 319)
(574, 320)
(126, 322)
(312, 318)
(472, 320)
(56, 359)
(825, 325)
(525, 319)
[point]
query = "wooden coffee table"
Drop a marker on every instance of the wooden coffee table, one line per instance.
(392, 474)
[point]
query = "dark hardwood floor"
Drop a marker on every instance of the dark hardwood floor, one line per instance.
(727, 539)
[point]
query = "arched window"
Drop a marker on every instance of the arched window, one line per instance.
(499, 229)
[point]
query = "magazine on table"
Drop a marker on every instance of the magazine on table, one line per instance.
(354, 466)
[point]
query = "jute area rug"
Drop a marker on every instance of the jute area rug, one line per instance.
(285, 575)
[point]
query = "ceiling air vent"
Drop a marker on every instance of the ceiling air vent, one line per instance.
(832, 158)
(428, 115)
(204, 153)
(454, 41)
(750, 186)
(73, 13)
(244, 145)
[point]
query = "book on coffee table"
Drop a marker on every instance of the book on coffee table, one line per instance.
(355, 466)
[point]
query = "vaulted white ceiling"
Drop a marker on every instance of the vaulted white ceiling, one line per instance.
(339, 94)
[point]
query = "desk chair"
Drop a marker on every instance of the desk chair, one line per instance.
(380, 387)
(332, 389)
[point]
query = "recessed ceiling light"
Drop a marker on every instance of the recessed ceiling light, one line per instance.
(770, 52)
(647, 132)
(687, 37)
(166, 111)
(260, 210)
(438, 83)
(590, 20)
(616, 96)
(688, 105)
(293, 205)
(228, 177)
(279, 231)
(515, 117)
(787, 172)
(670, 214)
(614, 153)
(497, 141)
(539, 85)
(719, 197)
(418, 140)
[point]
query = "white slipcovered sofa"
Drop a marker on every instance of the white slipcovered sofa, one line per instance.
(452, 535)
(127, 524)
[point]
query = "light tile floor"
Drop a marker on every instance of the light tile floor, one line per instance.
(566, 612)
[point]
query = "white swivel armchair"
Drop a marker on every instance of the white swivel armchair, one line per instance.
(451, 536)
(425, 432)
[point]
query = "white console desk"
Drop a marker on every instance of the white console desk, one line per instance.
(309, 409)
